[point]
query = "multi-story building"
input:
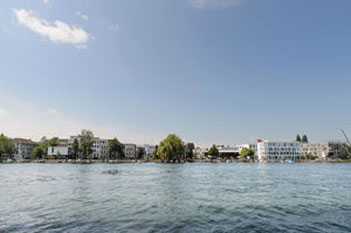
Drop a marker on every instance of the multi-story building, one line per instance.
(149, 149)
(323, 149)
(269, 150)
(130, 151)
(100, 147)
(24, 148)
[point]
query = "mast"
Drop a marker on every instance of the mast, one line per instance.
(347, 139)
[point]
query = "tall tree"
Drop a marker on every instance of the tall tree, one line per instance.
(213, 151)
(140, 152)
(7, 147)
(189, 147)
(75, 148)
(86, 140)
(171, 148)
(298, 138)
(304, 139)
(155, 155)
(116, 149)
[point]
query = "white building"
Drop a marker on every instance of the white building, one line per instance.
(100, 148)
(323, 149)
(129, 151)
(61, 151)
(250, 146)
(270, 150)
(200, 153)
(24, 148)
(149, 149)
(228, 151)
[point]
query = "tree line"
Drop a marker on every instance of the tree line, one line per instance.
(303, 140)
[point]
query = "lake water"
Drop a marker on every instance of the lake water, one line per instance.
(175, 198)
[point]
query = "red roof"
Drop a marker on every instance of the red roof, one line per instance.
(62, 142)
(24, 141)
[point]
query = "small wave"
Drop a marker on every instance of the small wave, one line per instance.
(111, 172)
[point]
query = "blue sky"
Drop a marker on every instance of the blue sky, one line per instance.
(211, 71)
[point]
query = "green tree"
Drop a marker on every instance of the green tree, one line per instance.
(116, 149)
(189, 147)
(86, 140)
(140, 152)
(75, 149)
(7, 147)
(45, 144)
(171, 148)
(155, 155)
(247, 153)
(213, 151)
(37, 153)
(348, 150)
(298, 138)
(304, 139)
(311, 157)
(58, 155)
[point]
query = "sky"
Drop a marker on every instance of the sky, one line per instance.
(210, 71)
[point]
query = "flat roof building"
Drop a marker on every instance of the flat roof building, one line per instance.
(324, 149)
(271, 150)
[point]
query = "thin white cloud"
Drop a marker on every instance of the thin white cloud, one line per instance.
(82, 16)
(214, 3)
(46, 1)
(58, 32)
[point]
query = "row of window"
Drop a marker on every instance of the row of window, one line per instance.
(282, 144)
(314, 149)
(281, 153)
(285, 157)
(282, 149)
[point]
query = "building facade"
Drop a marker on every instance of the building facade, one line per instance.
(269, 150)
(324, 149)
(130, 151)
(250, 146)
(24, 148)
(59, 151)
(100, 148)
(228, 151)
(149, 149)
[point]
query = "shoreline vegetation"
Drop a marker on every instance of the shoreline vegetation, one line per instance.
(86, 149)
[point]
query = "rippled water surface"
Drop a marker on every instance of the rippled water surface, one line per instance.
(175, 198)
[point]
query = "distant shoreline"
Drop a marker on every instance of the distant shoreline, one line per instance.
(124, 161)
